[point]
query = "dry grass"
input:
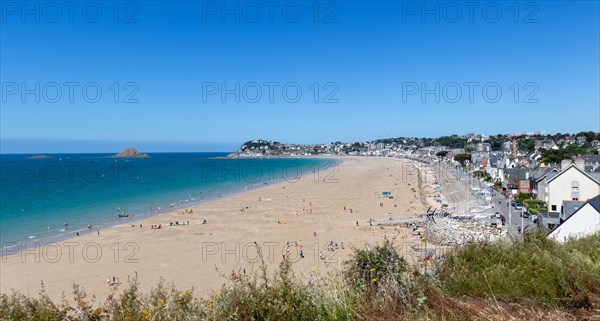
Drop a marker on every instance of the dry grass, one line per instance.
(375, 285)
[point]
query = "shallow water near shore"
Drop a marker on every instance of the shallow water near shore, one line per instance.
(39, 195)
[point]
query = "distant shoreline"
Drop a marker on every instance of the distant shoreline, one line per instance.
(312, 211)
(82, 230)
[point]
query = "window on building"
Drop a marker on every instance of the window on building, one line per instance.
(575, 196)
(554, 208)
(575, 184)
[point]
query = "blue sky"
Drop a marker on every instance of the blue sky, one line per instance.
(370, 60)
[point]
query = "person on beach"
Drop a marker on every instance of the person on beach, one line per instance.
(77, 233)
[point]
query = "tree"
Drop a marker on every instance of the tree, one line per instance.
(551, 156)
(442, 153)
(496, 145)
(462, 158)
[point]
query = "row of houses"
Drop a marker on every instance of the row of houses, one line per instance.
(569, 189)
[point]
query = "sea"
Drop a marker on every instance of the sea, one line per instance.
(45, 199)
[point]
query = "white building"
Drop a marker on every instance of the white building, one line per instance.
(571, 183)
(585, 221)
(483, 147)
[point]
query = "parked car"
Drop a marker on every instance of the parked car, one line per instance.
(500, 216)
(524, 214)
(518, 206)
(503, 219)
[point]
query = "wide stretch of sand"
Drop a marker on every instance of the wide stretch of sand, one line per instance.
(196, 255)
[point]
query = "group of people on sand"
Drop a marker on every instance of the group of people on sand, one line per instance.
(349, 210)
(156, 227)
(309, 211)
(287, 250)
(111, 280)
(412, 226)
(177, 223)
(333, 246)
(190, 211)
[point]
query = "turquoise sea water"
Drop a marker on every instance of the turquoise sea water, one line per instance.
(37, 196)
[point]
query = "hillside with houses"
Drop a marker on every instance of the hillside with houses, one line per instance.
(550, 178)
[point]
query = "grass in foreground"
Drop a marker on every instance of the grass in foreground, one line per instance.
(535, 271)
(537, 279)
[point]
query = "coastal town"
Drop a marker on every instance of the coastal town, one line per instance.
(433, 202)
(299, 160)
(529, 181)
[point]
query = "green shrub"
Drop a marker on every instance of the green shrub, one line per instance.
(283, 297)
(384, 276)
(536, 270)
(376, 284)
(19, 307)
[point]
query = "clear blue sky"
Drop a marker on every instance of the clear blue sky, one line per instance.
(371, 53)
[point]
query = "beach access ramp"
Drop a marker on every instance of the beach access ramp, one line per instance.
(398, 221)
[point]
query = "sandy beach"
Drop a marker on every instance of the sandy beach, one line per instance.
(315, 215)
